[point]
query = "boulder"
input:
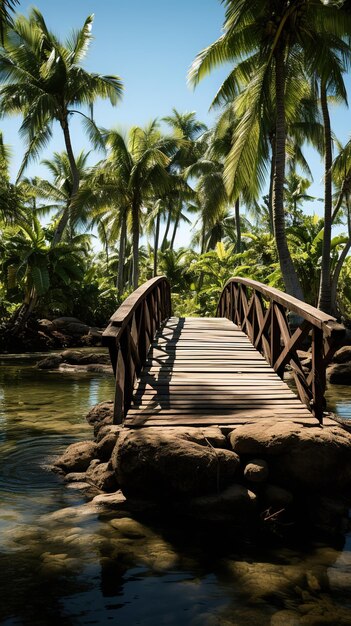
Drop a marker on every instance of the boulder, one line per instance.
(51, 362)
(46, 325)
(106, 429)
(276, 496)
(75, 477)
(95, 358)
(267, 436)
(77, 457)
(235, 504)
(77, 328)
(343, 355)
(154, 462)
(100, 412)
(256, 471)
(107, 444)
(62, 322)
(210, 435)
(72, 357)
(102, 476)
(300, 456)
(77, 357)
(339, 374)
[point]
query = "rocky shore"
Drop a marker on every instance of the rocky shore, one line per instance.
(269, 474)
(77, 361)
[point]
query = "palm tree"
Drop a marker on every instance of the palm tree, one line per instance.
(43, 79)
(189, 130)
(58, 192)
(7, 7)
(14, 198)
(134, 174)
(266, 41)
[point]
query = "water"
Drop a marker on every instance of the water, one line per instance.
(63, 562)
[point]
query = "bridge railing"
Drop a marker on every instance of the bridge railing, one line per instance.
(278, 325)
(129, 334)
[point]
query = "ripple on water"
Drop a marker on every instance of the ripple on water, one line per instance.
(25, 465)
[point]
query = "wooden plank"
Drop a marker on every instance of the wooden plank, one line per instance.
(206, 371)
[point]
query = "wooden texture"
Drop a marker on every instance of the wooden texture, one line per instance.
(225, 370)
(278, 325)
(129, 335)
(203, 371)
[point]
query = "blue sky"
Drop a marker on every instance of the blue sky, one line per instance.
(150, 45)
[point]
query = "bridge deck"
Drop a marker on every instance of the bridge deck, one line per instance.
(203, 371)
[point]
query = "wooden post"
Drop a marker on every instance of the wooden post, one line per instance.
(319, 377)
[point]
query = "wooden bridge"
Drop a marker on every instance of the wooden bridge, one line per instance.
(223, 370)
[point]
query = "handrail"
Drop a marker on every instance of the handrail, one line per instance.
(263, 314)
(129, 334)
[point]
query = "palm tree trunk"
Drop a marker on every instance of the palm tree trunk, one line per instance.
(23, 313)
(75, 183)
(339, 201)
(135, 238)
(270, 192)
(168, 224)
(175, 227)
(338, 268)
(157, 236)
(290, 278)
(324, 299)
(237, 226)
(121, 254)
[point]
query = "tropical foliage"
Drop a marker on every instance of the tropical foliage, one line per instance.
(78, 240)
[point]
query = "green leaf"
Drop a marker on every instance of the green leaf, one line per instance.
(40, 278)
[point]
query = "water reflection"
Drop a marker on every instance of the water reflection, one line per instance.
(339, 400)
(63, 561)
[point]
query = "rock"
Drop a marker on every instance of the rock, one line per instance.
(99, 369)
(339, 374)
(285, 618)
(328, 514)
(267, 436)
(50, 363)
(304, 354)
(76, 328)
(95, 358)
(276, 496)
(72, 356)
(100, 412)
(235, 504)
(77, 457)
(343, 355)
(102, 476)
(46, 325)
(110, 500)
(210, 435)
(77, 357)
(106, 429)
(300, 455)
(75, 477)
(61, 322)
(106, 445)
(95, 332)
(153, 462)
(307, 364)
(256, 471)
